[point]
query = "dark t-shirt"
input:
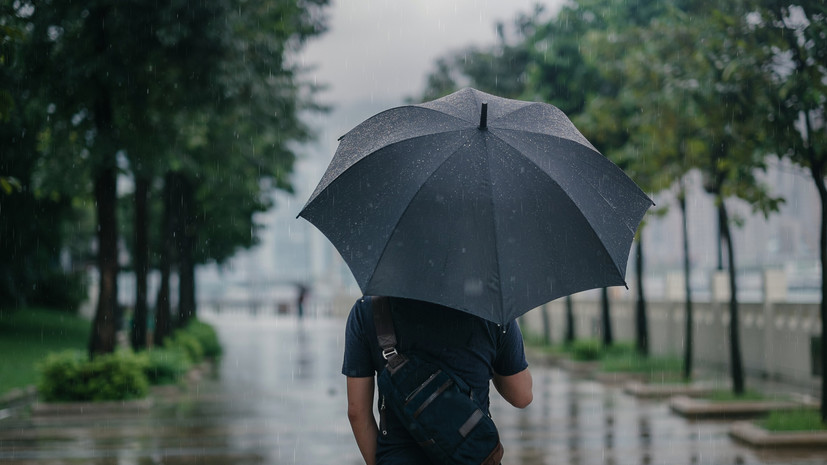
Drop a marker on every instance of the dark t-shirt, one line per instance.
(472, 347)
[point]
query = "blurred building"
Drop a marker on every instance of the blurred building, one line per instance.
(786, 240)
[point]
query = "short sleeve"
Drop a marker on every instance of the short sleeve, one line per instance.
(510, 358)
(357, 360)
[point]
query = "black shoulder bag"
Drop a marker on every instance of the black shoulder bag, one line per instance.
(434, 404)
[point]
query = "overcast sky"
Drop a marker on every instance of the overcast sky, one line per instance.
(378, 52)
(382, 49)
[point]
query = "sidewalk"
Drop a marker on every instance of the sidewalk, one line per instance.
(278, 398)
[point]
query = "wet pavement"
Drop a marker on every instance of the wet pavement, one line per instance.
(278, 398)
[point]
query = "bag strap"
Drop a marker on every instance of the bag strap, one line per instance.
(385, 333)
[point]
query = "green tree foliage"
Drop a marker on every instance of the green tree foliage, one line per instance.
(32, 236)
(642, 113)
(124, 66)
(236, 148)
(666, 88)
(731, 101)
(676, 107)
(791, 46)
(205, 92)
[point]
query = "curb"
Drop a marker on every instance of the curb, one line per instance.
(698, 408)
(585, 369)
(81, 408)
(619, 377)
(756, 436)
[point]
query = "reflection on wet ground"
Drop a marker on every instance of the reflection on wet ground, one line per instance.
(278, 398)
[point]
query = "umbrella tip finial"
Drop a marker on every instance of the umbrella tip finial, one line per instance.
(484, 116)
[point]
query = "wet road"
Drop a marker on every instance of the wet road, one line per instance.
(278, 398)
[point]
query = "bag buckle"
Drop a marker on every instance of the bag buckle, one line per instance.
(388, 353)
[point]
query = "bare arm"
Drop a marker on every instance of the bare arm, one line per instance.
(360, 414)
(516, 388)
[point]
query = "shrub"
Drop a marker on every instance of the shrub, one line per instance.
(206, 336)
(165, 365)
(62, 376)
(181, 340)
(585, 351)
(118, 376)
(621, 349)
(70, 376)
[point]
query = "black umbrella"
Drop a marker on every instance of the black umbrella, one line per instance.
(485, 204)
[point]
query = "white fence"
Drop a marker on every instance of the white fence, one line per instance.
(776, 336)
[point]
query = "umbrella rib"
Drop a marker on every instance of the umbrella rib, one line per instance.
(585, 218)
(496, 228)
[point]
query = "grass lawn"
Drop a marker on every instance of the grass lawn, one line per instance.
(794, 420)
(622, 357)
(537, 342)
(28, 334)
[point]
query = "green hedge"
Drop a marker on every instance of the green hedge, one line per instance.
(164, 365)
(586, 350)
(186, 343)
(198, 340)
(206, 336)
(70, 376)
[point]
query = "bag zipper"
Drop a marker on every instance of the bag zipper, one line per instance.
(422, 386)
(382, 418)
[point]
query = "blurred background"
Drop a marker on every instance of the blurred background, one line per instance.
(153, 159)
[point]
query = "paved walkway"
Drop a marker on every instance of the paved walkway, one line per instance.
(278, 398)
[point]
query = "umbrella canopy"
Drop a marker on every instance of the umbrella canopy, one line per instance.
(488, 205)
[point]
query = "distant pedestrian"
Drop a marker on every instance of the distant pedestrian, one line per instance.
(300, 300)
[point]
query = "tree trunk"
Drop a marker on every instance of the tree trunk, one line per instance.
(689, 328)
(641, 322)
(546, 325)
(569, 320)
(734, 332)
(141, 263)
(818, 172)
(102, 339)
(104, 326)
(186, 242)
(163, 310)
(719, 246)
(608, 338)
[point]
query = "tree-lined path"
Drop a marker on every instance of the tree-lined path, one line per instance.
(278, 398)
